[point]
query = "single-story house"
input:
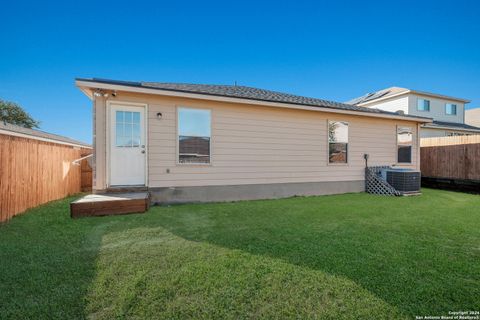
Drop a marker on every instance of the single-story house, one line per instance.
(193, 142)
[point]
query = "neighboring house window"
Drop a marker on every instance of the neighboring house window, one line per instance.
(337, 142)
(194, 133)
(423, 105)
(451, 109)
(404, 144)
(127, 130)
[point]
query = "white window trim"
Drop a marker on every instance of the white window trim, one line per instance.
(348, 145)
(114, 139)
(429, 105)
(451, 114)
(177, 131)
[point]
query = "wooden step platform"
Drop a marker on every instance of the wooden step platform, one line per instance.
(110, 204)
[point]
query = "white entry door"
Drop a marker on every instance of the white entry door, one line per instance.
(127, 145)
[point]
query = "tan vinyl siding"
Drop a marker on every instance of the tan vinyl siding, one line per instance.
(472, 117)
(256, 145)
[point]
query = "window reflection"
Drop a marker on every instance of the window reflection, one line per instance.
(127, 129)
(194, 132)
(451, 109)
(337, 142)
(423, 105)
(404, 144)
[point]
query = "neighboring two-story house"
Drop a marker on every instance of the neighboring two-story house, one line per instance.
(448, 113)
(472, 117)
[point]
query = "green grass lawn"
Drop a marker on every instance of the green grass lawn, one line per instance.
(333, 257)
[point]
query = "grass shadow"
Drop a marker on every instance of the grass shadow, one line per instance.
(419, 254)
(47, 262)
(332, 254)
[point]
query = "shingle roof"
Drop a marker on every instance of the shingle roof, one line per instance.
(40, 134)
(454, 125)
(244, 92)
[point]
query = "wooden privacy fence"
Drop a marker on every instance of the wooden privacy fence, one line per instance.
(33, 172)
(455, 157)
(86, 171)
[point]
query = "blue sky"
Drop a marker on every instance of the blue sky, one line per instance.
(333, 50)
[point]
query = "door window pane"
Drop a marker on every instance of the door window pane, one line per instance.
(127, 129)
(128, 117)
(119, 128)
(119, 116)
(136, 142)
(118, 140)
(136, 117)
(136, 130)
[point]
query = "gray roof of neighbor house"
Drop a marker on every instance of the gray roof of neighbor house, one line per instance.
(38, 134)
(377, 94)
(453, 125)
(392, 91)
(244, 92)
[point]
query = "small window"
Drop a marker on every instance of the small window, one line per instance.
(337, 142)
(194, 134)
(127, 129)
(451, 109)
(404, 144)
(423, 105)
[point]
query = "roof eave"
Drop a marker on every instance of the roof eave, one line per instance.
(435, 95)
(88, 85)
(78, 144)
(452, 128)
(408, 91)
(85, 89)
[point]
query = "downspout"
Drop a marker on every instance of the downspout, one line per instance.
(94, 144)
(76, 162)
(419, 151)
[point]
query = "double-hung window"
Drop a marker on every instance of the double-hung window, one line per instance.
(450, 109)
(423, 105)
(337, 142)
(404, 144)
(194, 134)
